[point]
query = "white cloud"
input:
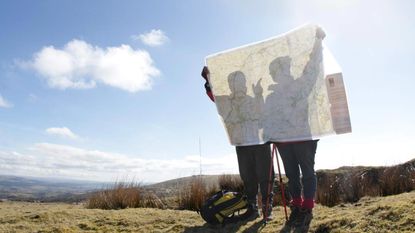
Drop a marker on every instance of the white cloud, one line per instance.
(62, 132)
(45, 159)
(4, 103)
(81, 65)
(153, 38)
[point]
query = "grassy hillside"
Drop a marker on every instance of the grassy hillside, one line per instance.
(370, 214)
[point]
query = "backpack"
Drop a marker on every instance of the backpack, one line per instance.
(221, 207)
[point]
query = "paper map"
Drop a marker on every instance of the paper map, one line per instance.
(278, 90)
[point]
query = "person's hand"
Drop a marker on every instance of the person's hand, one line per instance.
(257, 88)
(205, 73)
(320, 34)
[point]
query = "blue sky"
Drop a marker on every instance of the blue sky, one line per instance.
(79, 120)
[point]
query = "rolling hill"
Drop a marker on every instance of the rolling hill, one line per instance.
(45, 190)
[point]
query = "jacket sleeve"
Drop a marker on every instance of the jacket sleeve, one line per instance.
(205, 73)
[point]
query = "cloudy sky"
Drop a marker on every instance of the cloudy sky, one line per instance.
(98, 90)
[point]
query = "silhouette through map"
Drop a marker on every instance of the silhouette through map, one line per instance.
(241, 112)
(287, 104)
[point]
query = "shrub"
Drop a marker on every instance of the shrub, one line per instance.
(367, 183)
(123, 195)
(231, 183)
(399, 179)
(193, 196)
(349, 184)
(151, 200)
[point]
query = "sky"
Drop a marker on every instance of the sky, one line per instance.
(106, 90)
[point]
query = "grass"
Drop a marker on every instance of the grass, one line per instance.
(123, 195)
(231, 183)
(114, 209)
(343, 185)
(349, 184)
(371, 214)
(193, 196)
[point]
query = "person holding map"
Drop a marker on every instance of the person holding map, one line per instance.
(294, 109)
(254, 161)
(296, 155)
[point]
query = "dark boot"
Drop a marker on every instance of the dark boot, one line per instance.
(289, 224)
(251, 213)
(302, 224)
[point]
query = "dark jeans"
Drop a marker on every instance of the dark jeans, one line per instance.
(295, 156)
(254, 168)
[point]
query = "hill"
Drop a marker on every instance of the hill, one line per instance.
(371, 214)
(45, 190)
(172, 187)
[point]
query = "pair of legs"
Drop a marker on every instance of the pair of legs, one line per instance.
(296, 156)
(254, 168)
(299, 156)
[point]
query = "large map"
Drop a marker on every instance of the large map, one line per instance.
(278, 90)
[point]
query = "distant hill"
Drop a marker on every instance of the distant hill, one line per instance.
(15, 188)
(45, 189)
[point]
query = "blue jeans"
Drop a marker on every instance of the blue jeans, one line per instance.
(296, 156)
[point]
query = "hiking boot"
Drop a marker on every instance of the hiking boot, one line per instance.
(289, 224)
(251, 213)
(302, 223)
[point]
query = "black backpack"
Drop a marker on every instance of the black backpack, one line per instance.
(222, 206)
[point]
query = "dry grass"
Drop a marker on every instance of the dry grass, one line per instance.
(399, 179)
(344, 185)
(231, 183)
(123, 195)
(370, 214)
(193, 196)
(350, 184)
(197, 191)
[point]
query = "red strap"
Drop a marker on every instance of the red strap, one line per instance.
(274, 150)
